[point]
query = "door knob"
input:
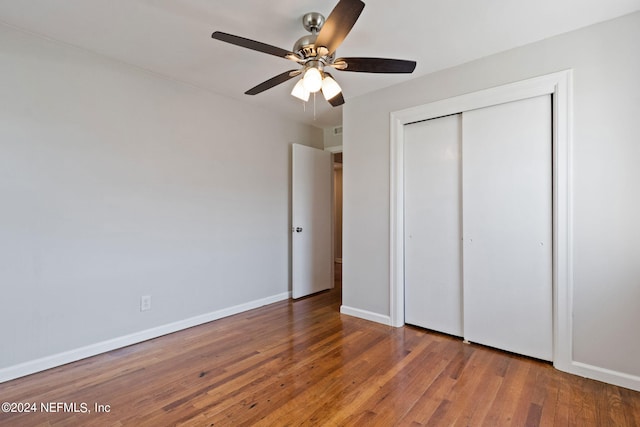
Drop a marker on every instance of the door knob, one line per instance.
(298, 229)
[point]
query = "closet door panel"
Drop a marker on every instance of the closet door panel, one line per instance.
(433, 272)
(507, 223)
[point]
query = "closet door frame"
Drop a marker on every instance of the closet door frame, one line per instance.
(559, 86)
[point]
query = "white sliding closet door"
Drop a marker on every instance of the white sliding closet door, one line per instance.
(507, 223)
(433, 271)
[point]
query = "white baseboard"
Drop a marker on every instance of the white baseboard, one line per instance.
(367, 315)
(605, 375)
(48, 362)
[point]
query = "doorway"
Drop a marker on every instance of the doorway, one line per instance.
(337, 219)
(316, 212)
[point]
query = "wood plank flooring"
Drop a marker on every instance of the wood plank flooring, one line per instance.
(302, 363)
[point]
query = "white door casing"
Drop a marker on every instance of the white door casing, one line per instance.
(311, 257)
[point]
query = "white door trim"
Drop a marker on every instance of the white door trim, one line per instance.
(334, 149)
(559, 85)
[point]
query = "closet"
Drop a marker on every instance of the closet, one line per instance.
(478, 225)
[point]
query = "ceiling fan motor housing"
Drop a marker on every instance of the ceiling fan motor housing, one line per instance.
(305, 46)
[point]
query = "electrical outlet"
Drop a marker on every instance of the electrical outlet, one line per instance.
(145, 302)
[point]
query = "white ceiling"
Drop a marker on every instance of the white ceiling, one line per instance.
(173, 37)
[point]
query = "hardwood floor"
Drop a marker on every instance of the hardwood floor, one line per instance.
(302, 363)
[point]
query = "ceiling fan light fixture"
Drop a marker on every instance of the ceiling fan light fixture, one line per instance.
(330, 88)
(312, 80)
(300, 92)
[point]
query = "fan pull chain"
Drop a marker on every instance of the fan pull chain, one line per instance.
(314, 106)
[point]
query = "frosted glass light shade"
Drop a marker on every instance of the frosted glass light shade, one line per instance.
(300, 92)
(312, 80)
(330, 88)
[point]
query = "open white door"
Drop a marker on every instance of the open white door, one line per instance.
(311, 221)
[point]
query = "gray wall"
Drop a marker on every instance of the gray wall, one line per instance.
(331, 139)
(116, 183)
(606, 177)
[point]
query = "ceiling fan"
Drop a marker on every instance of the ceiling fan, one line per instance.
(316, 52)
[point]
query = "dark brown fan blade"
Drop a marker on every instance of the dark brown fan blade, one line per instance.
(250, 44)
(339, 23)
(274, 81)
(337, 100)
(377, 65)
